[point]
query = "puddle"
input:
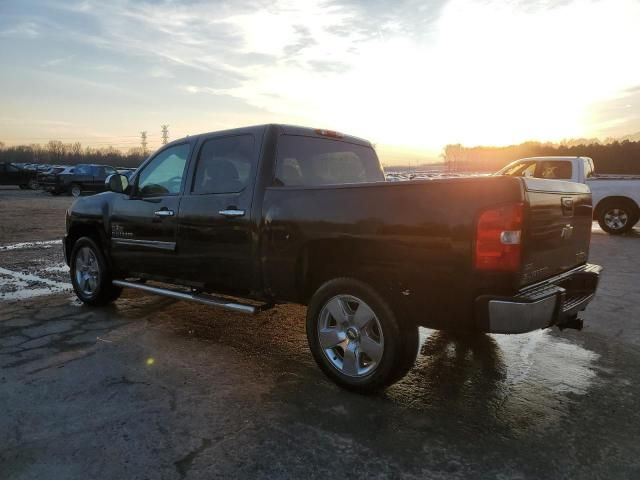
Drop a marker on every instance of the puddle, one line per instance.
(524, 382)
(566, 367)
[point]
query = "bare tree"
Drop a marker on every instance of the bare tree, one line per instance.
(56, 151)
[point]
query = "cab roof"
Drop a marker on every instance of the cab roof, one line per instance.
(286, 130)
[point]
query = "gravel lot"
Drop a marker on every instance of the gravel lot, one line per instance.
(156, 388)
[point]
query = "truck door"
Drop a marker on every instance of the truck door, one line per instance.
(83, 176)
(97, 172)
(215, 241)
(144, 222)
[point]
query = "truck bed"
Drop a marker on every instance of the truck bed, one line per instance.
(416, 239)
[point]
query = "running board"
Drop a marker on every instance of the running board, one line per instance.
(221, 302)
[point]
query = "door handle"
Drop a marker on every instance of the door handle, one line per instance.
(231, 213)
(164, 213)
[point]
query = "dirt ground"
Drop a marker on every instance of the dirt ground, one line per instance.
(156, 388)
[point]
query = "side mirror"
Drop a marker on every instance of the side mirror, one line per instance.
(117, 183)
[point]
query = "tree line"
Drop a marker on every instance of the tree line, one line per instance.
(617, 157)
(56, 152)
(622, 157)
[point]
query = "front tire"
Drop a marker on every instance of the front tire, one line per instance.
(617, 216)
(90, 274)
(33, 184)
(75, 190)
(355, 337)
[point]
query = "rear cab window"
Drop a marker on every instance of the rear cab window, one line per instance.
(312, 161)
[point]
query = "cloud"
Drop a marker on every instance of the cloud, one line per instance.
(57, 61)
(160, 72)
(108, 68)
(22, 30)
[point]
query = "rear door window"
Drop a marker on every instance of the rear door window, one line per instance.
(555, 170)
(225, 165)
(83, 170)
(311, 161)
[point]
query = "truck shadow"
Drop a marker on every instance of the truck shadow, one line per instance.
(453, 368)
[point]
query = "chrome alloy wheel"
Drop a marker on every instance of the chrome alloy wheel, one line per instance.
(87, 271)
(616, 218)
(350, 335)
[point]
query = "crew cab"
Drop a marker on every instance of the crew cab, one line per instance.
(616, 198)
(77, 180)
(248, 218)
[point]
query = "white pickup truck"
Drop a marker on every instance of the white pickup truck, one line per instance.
(616, 198)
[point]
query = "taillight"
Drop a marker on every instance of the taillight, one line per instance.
(498, 236)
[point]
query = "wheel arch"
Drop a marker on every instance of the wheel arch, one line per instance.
(323, 260)
(91, 230)
(359, 259)
(613, 198)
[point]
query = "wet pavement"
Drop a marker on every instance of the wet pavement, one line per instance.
(156, 388)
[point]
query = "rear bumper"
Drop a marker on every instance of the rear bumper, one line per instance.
(552, 302)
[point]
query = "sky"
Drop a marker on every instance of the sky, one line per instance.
(411, 76)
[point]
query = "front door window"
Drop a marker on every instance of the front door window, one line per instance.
(163, 175)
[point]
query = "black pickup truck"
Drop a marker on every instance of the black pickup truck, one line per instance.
(244, 219)
(82, 178)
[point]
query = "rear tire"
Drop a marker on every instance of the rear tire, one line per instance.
(91, 275)
(33, 184)
(356, 339)
(617, 216)
(75, 190)
(23, 187)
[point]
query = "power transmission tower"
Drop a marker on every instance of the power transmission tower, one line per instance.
(165, 134)
(143, 142)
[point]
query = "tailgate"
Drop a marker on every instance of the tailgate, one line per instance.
(557, 230)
